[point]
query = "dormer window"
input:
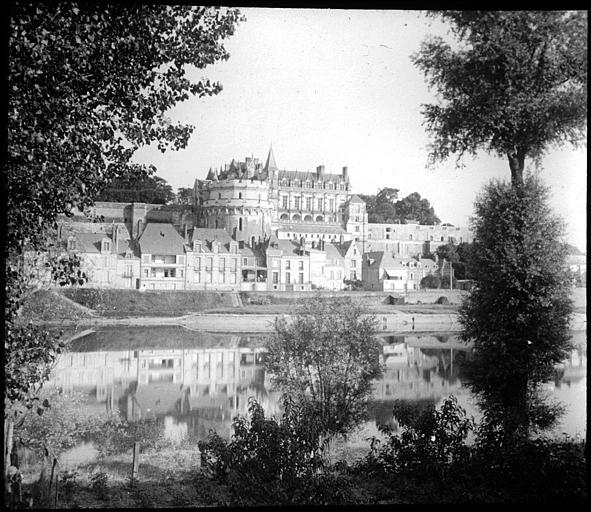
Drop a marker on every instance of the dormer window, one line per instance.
(71, 244)
(105, 246)
(197, 245)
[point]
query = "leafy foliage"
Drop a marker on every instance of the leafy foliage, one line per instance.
(519, 310)
(431, 281)
(515, 84)
(64, 423)
(147, 189)
(184, 196)
(270, 461)
(88, 84)
(385, 208)
(284, 449)
(416, 208)
(327, 356)
(431, 441)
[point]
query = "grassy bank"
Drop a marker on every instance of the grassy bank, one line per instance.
(172, 478)
(130, 303)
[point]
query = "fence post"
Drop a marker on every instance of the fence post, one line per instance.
(136, 462)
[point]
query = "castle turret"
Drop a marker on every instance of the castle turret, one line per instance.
(270, 165)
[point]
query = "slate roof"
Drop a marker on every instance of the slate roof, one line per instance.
(356, 199)
(308, 175)
(161, 239)
(91, 242)
(332, 252)
(311, 228)
(270, 165)
(210, 234)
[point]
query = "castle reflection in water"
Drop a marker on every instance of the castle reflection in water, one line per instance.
(203, 380)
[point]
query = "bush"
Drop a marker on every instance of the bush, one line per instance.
(430, 443)
(431, 281)
(265, 448)
(271, 462)
(118, 436)
(443, 301)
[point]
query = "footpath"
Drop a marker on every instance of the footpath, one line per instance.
(395, 321)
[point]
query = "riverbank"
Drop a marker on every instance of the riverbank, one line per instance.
(227, 312)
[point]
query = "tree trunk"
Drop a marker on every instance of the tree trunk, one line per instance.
(516, 164)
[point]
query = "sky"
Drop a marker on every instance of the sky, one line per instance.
(336, 87)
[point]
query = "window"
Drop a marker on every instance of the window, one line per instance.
(222, 264)
(284, 202)
(288, 264)
(275, 277)
(301, 265)
(297, 202)
(332, 275)
(357, 229)
(245, 261)
(331, 205)
(240, 195)
(301, 278)
(197, 264)
(219, 195)
(353, 263)
(240, 224)
(146, 272)
(288, 278)
(308, 203)
(234, 264)
(320, 203)
(209, 264)
(180, 272)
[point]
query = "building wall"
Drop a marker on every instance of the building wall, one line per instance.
(213, 270)
(163, 271)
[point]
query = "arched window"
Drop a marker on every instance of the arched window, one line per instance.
(240, 224)
(239, 195)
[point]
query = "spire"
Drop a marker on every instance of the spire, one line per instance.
(271, 165)
(210, 174)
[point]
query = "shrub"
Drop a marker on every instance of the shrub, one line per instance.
(431, 441)
(431, 281)
(264, 448)
(443, 301)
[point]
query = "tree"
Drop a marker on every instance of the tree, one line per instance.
(146, 189)
(88, 85)
(184, 196)
(515, 85)
(380, 207)
(517, 314)
(431, 281)
(413, 207)
(327, 356)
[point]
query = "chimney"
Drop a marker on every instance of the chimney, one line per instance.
(345, 173)
(185, 235)
(320, 171)
(116, 238)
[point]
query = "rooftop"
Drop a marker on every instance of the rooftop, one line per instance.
(161, 239)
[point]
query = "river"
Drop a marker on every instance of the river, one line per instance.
(193, 382)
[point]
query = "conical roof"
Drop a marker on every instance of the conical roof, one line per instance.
(270, 165)
(210, 174)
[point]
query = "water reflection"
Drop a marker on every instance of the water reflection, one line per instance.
(193, 382)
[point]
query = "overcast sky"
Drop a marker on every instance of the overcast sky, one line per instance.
(337, 87)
